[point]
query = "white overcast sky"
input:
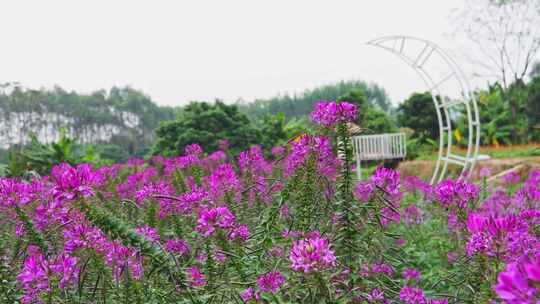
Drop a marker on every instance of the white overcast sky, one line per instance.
(177, 51)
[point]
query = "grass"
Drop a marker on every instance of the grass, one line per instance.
(500, 152)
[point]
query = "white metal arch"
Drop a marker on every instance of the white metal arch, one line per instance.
(398, 46)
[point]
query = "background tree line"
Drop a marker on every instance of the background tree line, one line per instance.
(145, 129)
(121, 121)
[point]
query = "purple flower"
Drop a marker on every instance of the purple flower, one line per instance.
(247, 295)
(72, 182)
(412, 295)
(329, 114)
(215, 218)
(456, 193)
(312, 254)
(177, 246)
(389, 181)
(511, 178)
(513, 286)
(195, 277)
(66, 266)
(239, 233)
(193, 149)
(383, 268)
(34, 275)
(38, 274)
(278, 151)
(363, 191)
(410, 274)
(318, 146)
(270, 282)
(413, 215)
(375, 296)
(223, 182)
(148, 233)
(400, 242)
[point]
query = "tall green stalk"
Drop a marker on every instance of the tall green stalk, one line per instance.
(345, 207)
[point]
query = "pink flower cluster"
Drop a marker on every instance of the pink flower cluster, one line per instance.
(312, 254)
(213, 219)
(318, 147)
(520, 283)
(329, 113)
(38, 272)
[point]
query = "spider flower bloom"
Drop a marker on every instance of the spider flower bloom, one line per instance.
(271, 282)
(389, 181)
(177, 246)
(247, 295)
(456, 192)
(239, 233)
(215, 218)
(193, 149)
(34, 275)
(517, 283)
(363, 191)
(318, 146)
(410, 274)
(196, 278)
(412, 295)
(312, 254)
(278, 151)
(329, 114)
(148, 233)
(38, 274)
(511, 178)
(222, 181)
(71, 182)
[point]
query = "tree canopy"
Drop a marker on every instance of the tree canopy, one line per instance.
(206, 123)
(122, 116)
(418, 113)
(369, 117)
(300, 105)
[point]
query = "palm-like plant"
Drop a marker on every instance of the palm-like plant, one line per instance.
(41, 157)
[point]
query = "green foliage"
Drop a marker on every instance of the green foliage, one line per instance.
(37, 157)
(41, 157)
(206, 124)
(418, 113)
(88, 117)
(533, 108)
(114, 153)
(297, 126)
(273, 130)
(369, 117)
(418, 147)
(300, 105)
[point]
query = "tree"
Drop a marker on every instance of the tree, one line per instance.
(418, 113)
(206, 124)
(121, 116)
(533, 108)
(300, 105)
(369, 117)
(506, 34)
(273, 132)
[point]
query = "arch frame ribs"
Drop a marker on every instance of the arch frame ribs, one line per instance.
(429, 51)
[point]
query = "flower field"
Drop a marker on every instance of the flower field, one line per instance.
(288, 226)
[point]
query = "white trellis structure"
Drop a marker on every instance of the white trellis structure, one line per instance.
(440, 73)
(378, 147)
